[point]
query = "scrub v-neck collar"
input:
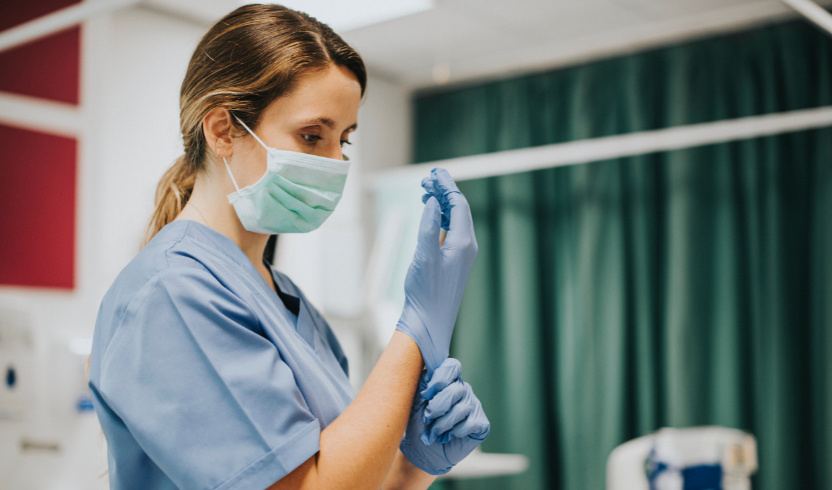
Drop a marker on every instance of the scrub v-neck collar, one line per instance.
(221, 244)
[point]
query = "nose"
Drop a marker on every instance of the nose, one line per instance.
(334, 151)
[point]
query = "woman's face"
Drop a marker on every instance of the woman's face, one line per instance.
(317, 117)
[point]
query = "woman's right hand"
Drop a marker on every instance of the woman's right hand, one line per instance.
(437, 275)
(447, 421)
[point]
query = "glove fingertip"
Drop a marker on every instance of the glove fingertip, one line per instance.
(481, 431)
(443, 180)
(428, 185)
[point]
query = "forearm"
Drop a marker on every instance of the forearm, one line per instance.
(405, 476)
(358, 448)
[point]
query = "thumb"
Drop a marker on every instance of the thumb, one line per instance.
(428, 240)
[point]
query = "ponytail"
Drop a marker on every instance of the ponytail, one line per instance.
(172, 194)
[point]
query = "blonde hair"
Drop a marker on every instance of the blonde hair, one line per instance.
(246, 61)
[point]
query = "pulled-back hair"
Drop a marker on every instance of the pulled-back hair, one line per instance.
(246, 61)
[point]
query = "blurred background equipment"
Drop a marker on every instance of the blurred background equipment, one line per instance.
(687, 458)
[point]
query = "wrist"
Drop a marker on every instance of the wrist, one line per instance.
(405, 475)
(424, 458)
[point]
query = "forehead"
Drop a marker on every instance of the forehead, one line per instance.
(332, 93)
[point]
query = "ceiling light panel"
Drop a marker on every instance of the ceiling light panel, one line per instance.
(346, 15)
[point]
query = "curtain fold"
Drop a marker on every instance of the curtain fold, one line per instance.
(682, 288)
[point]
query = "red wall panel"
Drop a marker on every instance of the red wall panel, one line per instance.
(19, 11)
(46, 68)
(37, 208)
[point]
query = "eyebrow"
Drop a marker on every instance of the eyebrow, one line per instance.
(328, 123)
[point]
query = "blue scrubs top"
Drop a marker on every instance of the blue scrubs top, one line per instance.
(202, 377)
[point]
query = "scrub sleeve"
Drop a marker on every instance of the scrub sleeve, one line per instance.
(192, 377)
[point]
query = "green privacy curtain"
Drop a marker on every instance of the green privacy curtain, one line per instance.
(691, 287)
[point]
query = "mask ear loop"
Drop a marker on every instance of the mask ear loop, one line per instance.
(227, 167)
(251, 133)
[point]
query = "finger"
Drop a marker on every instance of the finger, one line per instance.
(440, 429)
(443, 181)
(427, 184)
(431, 189)
(428, 238)
(461, 226)
(475, 426)
(453, 201)
(459, 210)
(445, 374)
(444, 401)
(446, 215)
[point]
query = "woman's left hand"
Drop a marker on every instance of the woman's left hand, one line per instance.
(446, 421)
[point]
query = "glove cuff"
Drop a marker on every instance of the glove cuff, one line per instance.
(422, 338)
(423, 464)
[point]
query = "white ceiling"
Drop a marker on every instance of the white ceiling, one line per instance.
(463, 40)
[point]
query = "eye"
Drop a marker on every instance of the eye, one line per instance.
(311, 138)
(345, 142)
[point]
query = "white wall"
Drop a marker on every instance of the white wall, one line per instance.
(133, 62)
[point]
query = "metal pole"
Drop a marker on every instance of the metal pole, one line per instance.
(609, 147)
(814, 12)
(58, 20)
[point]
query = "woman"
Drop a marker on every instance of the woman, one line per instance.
(209, 368)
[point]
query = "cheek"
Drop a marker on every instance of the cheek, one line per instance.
(257, 168)
(248, 166)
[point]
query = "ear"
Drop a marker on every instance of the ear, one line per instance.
(217, 128)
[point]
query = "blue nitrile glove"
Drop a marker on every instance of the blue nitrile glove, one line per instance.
(437, 276)
(446, 421)
(440, 187)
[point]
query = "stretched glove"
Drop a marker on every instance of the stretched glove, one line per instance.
(446, 421)
(437, 275)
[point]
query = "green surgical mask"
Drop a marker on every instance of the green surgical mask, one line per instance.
(296, 195)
